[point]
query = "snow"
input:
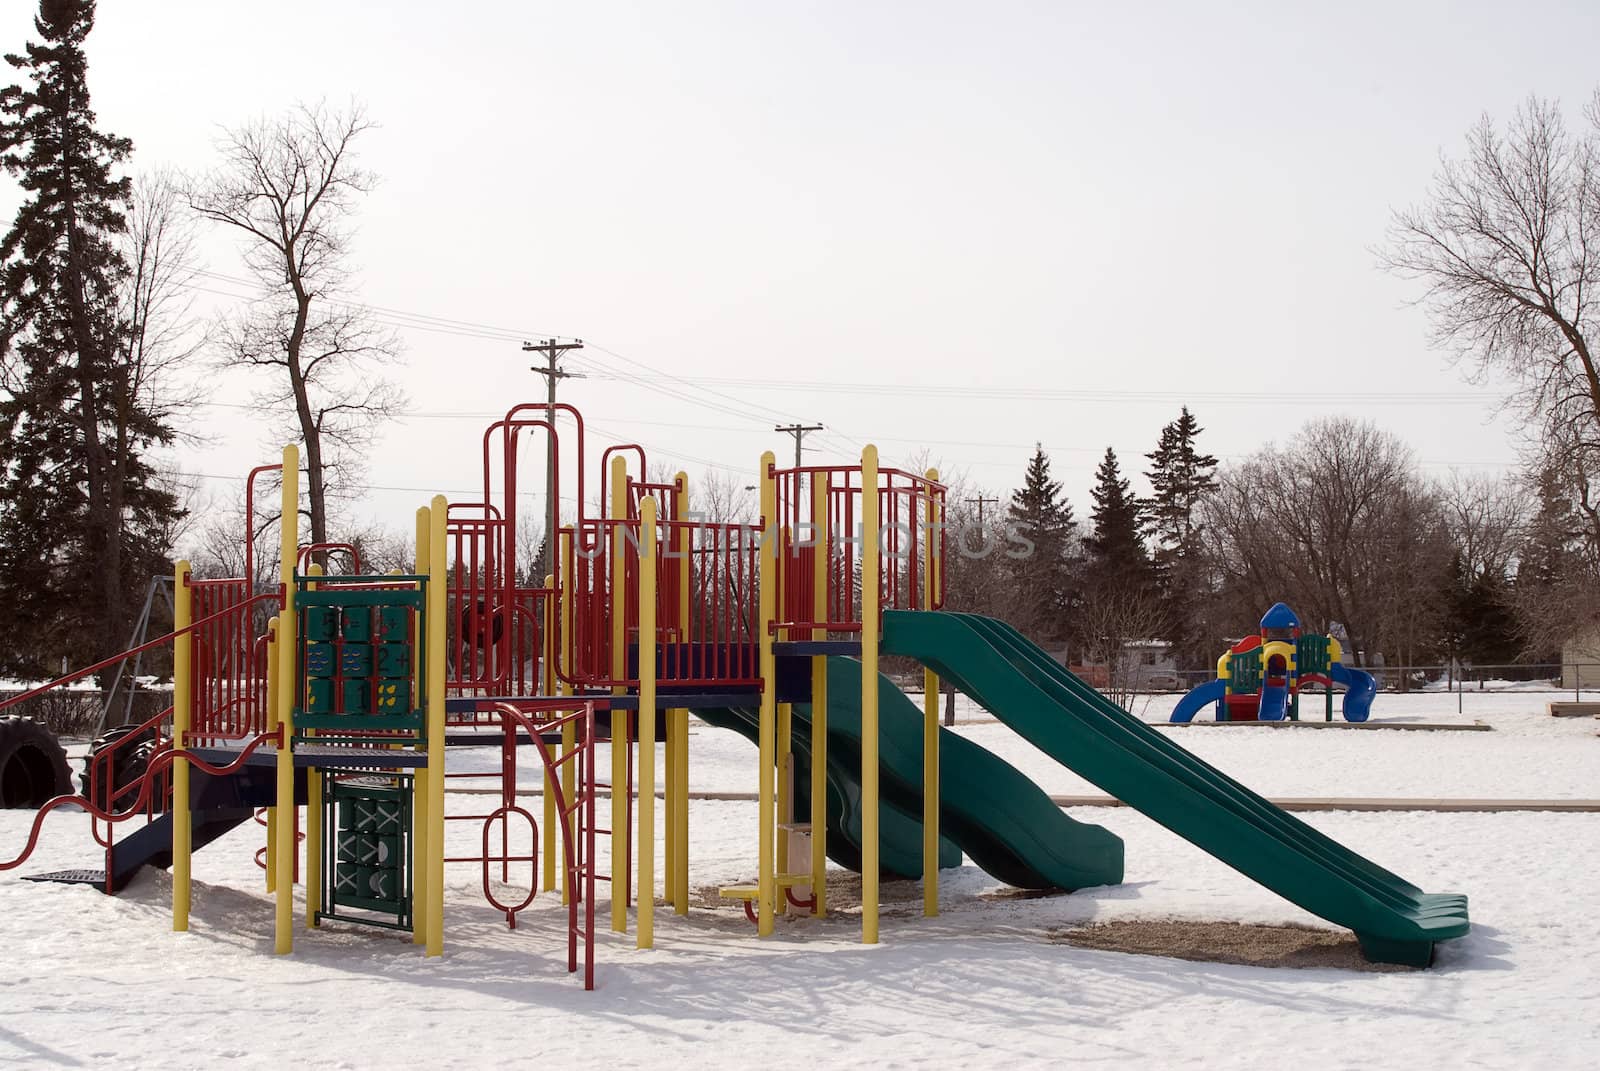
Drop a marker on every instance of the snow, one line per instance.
(90, 978)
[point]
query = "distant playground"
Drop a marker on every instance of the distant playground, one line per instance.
(1260, 677)
(329, 708)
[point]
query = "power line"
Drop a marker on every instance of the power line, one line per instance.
(799, 431)
(980, 500)
(553, 374)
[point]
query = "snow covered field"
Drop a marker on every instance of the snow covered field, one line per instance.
(91, 979)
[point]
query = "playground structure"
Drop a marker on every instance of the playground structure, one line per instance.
(340, 695)
(1260, 677)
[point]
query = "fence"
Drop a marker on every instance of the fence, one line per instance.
(1512, 677)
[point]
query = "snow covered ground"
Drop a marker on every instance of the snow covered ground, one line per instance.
(90, 979)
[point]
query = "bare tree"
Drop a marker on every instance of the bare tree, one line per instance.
(1115, 620)
(1337, 523)
(1507, 246)
(162, 336)
(1485, 516)
(289, 187)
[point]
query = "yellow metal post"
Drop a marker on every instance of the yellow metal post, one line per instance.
(869, 695)
(313, 818)
(569, 732)
(272, 726)
(438, 569)
(783, 800)
(547, 686)
(819, 695)
(768, 719)
(288, 687)
(648, 560)
(619, 718)
(419, 784)
(182, 715)
(930, 718)
(683, 544)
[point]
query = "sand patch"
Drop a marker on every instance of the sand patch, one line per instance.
(1241, 943)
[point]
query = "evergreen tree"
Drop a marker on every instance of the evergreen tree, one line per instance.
(82, 521)
(1041, 549)
(1479, 626)
(1553, 535)
(1117, 554)
(1180, 477)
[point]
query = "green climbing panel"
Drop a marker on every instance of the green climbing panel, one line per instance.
(1244, 673)
(1311, 655)
(357, 656)
(369, 857)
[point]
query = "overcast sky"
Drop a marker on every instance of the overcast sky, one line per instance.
(1043, 221)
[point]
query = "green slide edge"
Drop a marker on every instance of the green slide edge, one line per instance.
(1004, 822)
(1057, 712)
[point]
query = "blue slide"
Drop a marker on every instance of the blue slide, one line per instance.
(1211, 691)
(1274, 704)
(1359, 690)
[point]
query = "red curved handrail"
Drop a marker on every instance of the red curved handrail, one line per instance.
(157, 764)
(237, 608)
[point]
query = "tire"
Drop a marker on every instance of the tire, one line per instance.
(128, 767)
(33, 764)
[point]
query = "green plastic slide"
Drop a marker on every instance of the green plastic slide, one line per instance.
(899, 831)
(1001, 819)
(1057, 712)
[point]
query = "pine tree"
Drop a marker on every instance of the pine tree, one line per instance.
(1180, 478)
(82, 521)
(1117, 554)
(1040, 550)
(1553, 534)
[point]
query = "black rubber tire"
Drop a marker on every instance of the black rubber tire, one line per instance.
(130, 764)
(33, 764)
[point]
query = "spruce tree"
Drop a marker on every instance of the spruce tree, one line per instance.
(82, 520)
(1180, 478)
(1040, 550)
(1117, 554)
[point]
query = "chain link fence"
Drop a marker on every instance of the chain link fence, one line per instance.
(1551, 677)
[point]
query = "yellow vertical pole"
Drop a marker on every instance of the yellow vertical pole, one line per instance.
(619, 718)
(272, 726)
(768, 718)
(547, 686)
(569, 732)
(288, 689)
(420, 793)
(313, 820)
(930, 717)
(182, 714)
(869, 695)
(783, 800)
(438, 577)
(648, 560)
(783, 772)
(683, 543)
(819, 695)
(669, 868)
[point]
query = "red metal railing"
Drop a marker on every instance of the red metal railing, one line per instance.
(576, 815)
(721, 599)
(496, 625)
(159, 769)
(901, 502)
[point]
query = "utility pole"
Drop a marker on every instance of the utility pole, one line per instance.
(980, 500)
(799, 432)
(552, 372)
